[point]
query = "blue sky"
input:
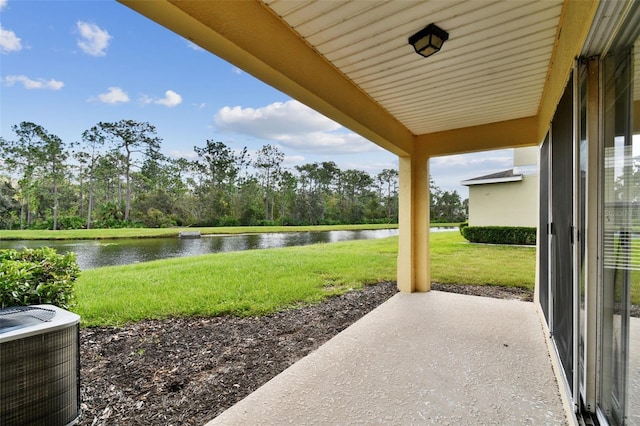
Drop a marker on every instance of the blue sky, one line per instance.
(67, 65)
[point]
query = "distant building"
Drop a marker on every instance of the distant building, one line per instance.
(508, 197)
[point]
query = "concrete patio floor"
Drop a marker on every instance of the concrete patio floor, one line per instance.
(422, 358)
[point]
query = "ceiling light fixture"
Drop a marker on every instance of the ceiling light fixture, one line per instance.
(428, 40)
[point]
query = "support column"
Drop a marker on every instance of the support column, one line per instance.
(414, 272)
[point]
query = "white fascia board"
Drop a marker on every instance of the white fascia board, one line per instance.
(489, 181)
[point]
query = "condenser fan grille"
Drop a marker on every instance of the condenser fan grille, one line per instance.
(23, 316)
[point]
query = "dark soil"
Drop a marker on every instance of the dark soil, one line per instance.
(186, 371)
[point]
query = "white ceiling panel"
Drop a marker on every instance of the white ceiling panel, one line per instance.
(498, 52)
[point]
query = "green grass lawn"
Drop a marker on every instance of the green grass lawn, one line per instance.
(240, 283)
(455, 261)
(261, 281)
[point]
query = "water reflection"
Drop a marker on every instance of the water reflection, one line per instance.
(96, 253)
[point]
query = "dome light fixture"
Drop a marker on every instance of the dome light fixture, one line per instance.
(428, 40)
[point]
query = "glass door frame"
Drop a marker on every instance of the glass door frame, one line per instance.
(587, 235)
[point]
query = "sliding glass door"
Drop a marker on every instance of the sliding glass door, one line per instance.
(589, 256)
(620, 288)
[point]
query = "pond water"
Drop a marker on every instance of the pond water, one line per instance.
(96, 253)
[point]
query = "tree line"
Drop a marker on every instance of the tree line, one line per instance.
(116, 176)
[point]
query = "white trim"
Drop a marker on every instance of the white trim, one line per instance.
(472, 182)
(593, 233)
(530, 169)
(576, 239)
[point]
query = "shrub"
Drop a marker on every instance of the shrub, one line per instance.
(228, 221)
(266, 223)
(462, 226)
(330, 222)
(287, 221)
(499, 234)
(156, 219)
(116, 224)
(40, 225)
(37, 276)
(71, 222)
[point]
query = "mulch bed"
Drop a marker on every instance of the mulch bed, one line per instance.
(186, 371)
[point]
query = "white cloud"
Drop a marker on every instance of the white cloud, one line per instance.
(493, 161)
(191, 45)
(3, 3)
(237, 71)
(293, 160)
(387, 161)
(146, 100)
(189, 155)
(94, 40)
(115, 95)
(170, 99)
(327, 142)
(275, 119)
(294, 126)
(449, 171)
(9, 42)
(28, 83)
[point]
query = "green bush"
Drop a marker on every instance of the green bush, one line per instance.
(499, 234)
(37, 276)
(228, 221)
(116, 224)
(155, 218)
(64, 222)
(266, 223)
(71, 222)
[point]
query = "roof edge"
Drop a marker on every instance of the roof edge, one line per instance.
(472, 182)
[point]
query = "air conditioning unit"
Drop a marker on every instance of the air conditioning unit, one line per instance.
(39, 366)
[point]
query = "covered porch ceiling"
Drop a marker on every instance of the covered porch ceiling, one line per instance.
(495, 83)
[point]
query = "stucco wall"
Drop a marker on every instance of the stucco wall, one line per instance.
(525, 156)
(504, 204)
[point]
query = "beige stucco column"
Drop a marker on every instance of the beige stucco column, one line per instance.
(414, 272)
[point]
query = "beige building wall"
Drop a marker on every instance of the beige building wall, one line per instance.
(504, 204)
(525, 156)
